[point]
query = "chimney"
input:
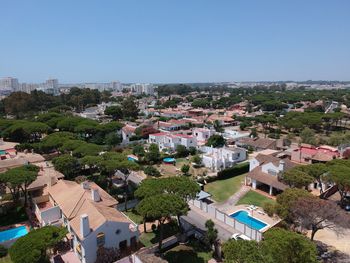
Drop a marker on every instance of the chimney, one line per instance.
(85, 185)
(95, 196)
(84, 225)
(282, 165)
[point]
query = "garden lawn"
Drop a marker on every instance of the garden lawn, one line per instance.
(193, 252)
(221, 190)
(134, 216)
(254, 198)
(152, 237)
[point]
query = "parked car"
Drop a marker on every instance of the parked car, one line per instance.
(238, 236)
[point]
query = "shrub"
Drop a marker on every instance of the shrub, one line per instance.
(151, 171)
(185, 169)
(233, 171)
(269, 209)
(3, 251)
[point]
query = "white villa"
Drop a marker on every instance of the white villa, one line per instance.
(90, 216)
(170, 141)
(218, 159)
(127, 132)
(231, 134)
(202, 135)
(264, 172)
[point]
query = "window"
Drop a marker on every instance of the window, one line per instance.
(100, 239)
(272, 172)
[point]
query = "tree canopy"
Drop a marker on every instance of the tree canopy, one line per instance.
(216, 141)
(18, 179)
(33, 246)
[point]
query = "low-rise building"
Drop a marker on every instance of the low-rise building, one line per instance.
(127, 132)
(265, 173)
(170, 141)
(234, 135)
(310, 154)
(218, 159)
(202, 135)
(90, 216)
(257, 144)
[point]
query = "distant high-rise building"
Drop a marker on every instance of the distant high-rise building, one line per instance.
(116, 86)
(143, 88)
(51, 86)
(9, 84)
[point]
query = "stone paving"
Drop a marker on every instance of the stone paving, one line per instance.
(232, 201)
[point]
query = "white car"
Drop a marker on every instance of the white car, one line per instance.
(238, 236)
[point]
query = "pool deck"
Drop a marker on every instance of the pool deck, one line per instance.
(9, 243)
(258, 214)
(25, 223)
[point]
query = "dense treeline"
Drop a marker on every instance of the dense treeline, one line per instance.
(21, 104)
(267, 98)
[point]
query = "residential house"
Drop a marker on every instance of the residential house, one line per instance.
(167, 126)
(234, 135)
(172, 113)
(170, 141)
(308, 154)
(218, 159)
(257, 144)
(265, 173)
(223, 120)
(127, 132)
(202, 135)
(90, 216)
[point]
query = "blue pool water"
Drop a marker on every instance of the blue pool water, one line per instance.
(131, 159)
(245, 218)
(169, 160)
(13, 233)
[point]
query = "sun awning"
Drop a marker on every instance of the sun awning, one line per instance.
(202, 195)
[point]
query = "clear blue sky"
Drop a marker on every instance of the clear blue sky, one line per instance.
(175, 41)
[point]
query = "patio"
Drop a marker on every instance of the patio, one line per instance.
(257, 213)
(66, 257)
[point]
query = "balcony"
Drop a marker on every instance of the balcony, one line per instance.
(46, 213)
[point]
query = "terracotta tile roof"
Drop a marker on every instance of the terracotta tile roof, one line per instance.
(263, 159)
(75, 201)
(129, 129)
(265, 178)
(70, 196)
(263, 143)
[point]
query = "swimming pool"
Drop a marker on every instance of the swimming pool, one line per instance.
(13, 233)
(169, 160)
(243, 217)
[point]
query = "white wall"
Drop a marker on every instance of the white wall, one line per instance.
(269, 166)
(253, 163)
(89, 245)
(50, 215)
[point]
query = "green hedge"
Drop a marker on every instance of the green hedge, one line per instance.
(229, 173)
(233, 171)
